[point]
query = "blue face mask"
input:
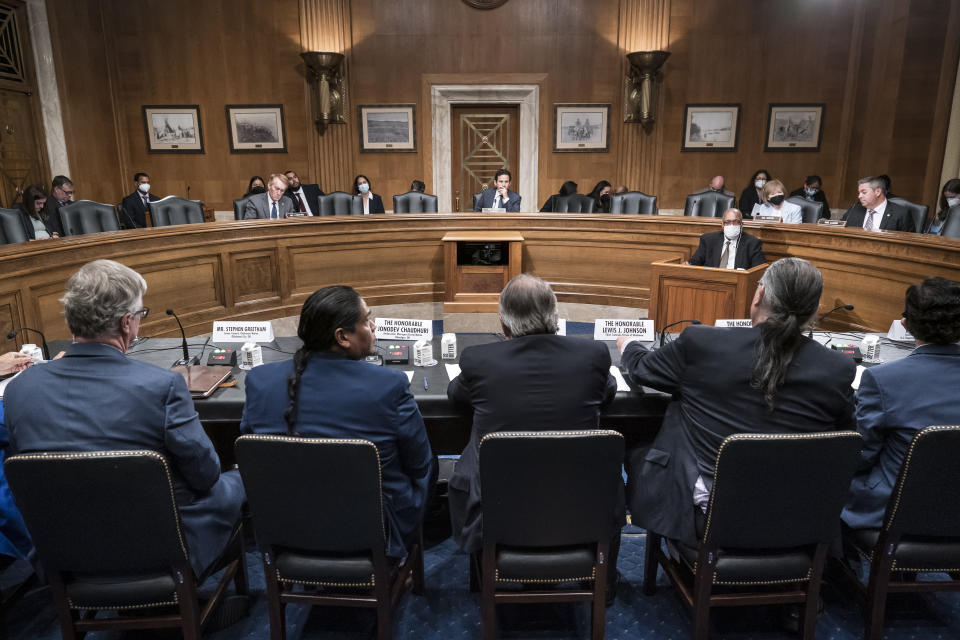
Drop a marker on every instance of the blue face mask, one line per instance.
(363, 188)
(811, 192)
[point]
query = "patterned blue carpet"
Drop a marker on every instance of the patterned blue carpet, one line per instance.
(449, 611)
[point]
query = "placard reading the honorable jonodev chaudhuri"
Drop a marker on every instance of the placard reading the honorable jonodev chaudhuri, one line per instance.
(403, 329)
(614, 328)
(734, 322)
(229, 331)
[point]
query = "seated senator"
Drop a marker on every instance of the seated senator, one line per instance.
(775, 205)
(273, 203)
(769, 378)
(897, 399)
(328, 391)
(731, 248)
(499, 196)
(95, 398)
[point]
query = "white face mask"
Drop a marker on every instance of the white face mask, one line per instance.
(731, 231)
(952, 202)
(144, 187)
(759, 183)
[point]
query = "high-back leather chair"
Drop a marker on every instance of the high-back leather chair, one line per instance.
(86, 216)
(339, 203)
(951, 224)
(917, 211)
(476, 200)
(238, 206)
(175, 210)
(809, 210)
(708, 204)
(634, 202)
(414, 202)
(11, 227)
(548, 503)
(574, 203)
(768, 525)
(113, 540)
(317, 511)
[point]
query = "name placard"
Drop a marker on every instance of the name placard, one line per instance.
(611, 329)
(734, 322)
(403, 329)
(229, 331)
(899, 332)
(561, 326)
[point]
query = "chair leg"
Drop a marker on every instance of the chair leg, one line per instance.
(189, 605)
(651, 563)
(65, 615)
(488, 585)
(474, 561)
(877, 588)
(241, 583)
(599, 605)
(384, 610)
(809, 611)
(702, 586)
(275, 607)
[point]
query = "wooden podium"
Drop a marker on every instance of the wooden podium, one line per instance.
(476, 266)
(681, 292)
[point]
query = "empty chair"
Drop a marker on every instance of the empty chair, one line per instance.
(634, 202)
(11, 227)
(951, 225)
(175, 210)
(86, 216)
(917, 211)
(476, 200)
(574, 203)
(414, 202)
(340, 203)
(708, 204)
(809, 210)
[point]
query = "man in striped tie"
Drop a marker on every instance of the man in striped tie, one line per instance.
(874, 212)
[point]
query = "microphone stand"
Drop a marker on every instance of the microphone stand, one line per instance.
(187, 360)
(43, 340)
(663, 332)
(848, 307)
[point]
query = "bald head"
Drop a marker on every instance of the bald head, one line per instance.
(716, 184)
(732, 216)
(527, 306)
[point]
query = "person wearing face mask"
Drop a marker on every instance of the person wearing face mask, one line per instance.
(751, 194)
(133, 209)
(731, 248)
(949, 198)
(775, 204)
(601, 197)
(372, 203)
(812, 190)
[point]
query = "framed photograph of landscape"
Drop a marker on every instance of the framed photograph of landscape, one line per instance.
(794, 127)
(256, 128)
(710, 127)
(581, 127)
(388, 128)
(173, 128)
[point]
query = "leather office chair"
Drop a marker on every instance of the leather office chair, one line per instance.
(476, 200)
(11, 227)
(414, 202)
(317, 512)
(634, 202)
(917, 211)
(574, 203)
(113, 540)
(175, 210)
(548, 519)
(340, 203)
(768, 525)
(921, 528)
(86, 216)
(951, 224)
(809, 210)
(708, 204)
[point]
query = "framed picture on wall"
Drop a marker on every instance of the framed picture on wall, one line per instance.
(710, 127)
(388, 128)
(794, 127)
(173, 128)
(581, 127)
(256, 128)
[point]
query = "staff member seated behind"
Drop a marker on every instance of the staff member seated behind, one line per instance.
(731, 248)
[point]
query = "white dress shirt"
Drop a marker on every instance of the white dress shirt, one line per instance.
(877, 216)
(303, 198)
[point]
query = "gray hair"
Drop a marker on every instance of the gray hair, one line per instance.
(98, 295)
(528, 306)
(874, 182)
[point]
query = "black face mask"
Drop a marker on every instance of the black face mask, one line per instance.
(776, 200)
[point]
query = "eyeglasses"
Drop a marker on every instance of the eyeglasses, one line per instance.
(142, 313)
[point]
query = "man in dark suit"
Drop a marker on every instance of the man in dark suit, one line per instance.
(305, 197)
(898, 399)
(726, 381)
(500, 196)
(731, 248)
(875, 212)
(273, 204)
(812, 190)
(97, 399)
(534, 380)
(61, 194)
(133, 209)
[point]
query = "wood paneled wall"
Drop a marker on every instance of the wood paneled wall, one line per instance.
(884, 69)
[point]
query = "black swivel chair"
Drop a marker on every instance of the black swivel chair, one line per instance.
(86, 216)
(573, 203)
(317, 511)
(108, 536)
(708, 204)
(11, 227)
(414, 202)
(809, 210)
(917, 211)
(173, 210)
(548, 519)
(951, 224)
(339, 203)
(768, 525)
(238, 206)
(634, 202)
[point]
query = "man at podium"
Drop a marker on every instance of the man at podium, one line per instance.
(731, 248)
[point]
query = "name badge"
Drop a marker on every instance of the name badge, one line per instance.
(403, 329)
(229, 331)
(899, 332)
(561, 326)
(611, 329)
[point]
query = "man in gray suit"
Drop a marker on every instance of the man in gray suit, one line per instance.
(273, 204)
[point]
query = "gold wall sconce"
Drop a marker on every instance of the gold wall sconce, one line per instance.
(643, 78)
(326, 79)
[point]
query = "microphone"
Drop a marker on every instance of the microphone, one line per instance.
(43, 339)
(133, 223)
(663, 332)
(186, 361)
(848, 307)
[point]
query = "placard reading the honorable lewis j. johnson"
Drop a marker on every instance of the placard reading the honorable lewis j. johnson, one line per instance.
(227, 331)
(403, 329)
(611, 329)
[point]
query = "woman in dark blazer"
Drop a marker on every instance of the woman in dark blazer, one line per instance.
(601, 197)
(37, 224)
(567, 188)
(753, 192)
(371, 201)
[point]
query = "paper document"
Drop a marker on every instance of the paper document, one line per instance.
(856, 379)
(409, 376)
(453, 370)
(621, 383)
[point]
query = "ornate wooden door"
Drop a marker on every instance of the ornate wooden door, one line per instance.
(483, 139)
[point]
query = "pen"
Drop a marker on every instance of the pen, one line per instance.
(426, 386)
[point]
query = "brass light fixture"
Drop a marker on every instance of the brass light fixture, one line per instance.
(326, 78)
(640, 97)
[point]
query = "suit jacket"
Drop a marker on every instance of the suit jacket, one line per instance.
(894, 402)
(819, 196)
(342, 398)
(487, 196)
(258, 206)
(97, 399)
(895, 217)
(530, 383)
(133, 209)
(376, 204)
(52, 211)
(312, 193)
(748, 198)
(27, 221)
(708, 371)
(749, 251)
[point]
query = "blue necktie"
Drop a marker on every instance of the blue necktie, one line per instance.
(274, 214)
